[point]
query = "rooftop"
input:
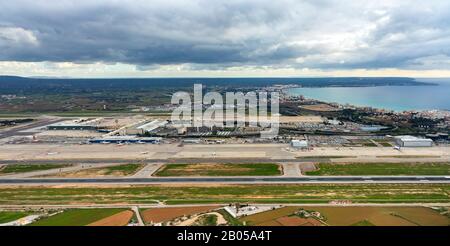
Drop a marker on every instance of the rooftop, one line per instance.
(406, 138)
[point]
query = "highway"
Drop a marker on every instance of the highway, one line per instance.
(231, 180)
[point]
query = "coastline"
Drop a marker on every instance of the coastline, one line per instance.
(391, 98)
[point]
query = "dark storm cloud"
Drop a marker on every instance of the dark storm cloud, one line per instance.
(313, 34)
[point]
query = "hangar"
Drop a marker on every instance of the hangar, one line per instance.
(412, 141)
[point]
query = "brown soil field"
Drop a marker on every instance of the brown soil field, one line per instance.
(94, 173)
(300, 118)
(269, 216)
(422, 216)
(270, 223)
(158, 215)
(297, 221)
(345, 216)
(120, 219)
(382, 216)
(320, 107)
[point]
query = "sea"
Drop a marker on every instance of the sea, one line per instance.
(396, 98)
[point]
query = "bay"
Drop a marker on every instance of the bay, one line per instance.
(397, 98)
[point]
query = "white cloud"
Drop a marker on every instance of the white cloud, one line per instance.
(12, 36)
(212, 35)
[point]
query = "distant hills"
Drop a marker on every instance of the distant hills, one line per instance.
(13, 84)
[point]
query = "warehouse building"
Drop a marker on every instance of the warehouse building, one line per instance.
(299, 143)
(153, 125)
(77, 127)
(147, 127)
(411, 141)
(126, 139)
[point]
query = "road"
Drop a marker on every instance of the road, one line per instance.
(148, 170)
(232, 180)
(291, 169)
(146, 206)
(138, 215)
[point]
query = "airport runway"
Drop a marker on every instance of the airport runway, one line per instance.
(231, 180)
(19, 131)
(166, 161)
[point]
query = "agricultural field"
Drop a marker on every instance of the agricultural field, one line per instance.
(260, 169)
(23, 168)
(116, 171)
(81, 217)
(119, 219)
(8, 216)
(320, 107)
(382, 216)
(159, 215)
(350, 216)
(269, 218)
(213, 194)
(381, 169)
(363, 223)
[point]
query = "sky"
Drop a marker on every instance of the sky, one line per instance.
(225, 38)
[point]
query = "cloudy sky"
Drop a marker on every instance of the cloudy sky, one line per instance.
(133, 38)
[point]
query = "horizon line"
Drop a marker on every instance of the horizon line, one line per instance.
(215, 77)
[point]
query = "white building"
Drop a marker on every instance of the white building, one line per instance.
(192, 140)
(411, 141)
(299, 143)
(153, 125)
(144, 127)
(126, 139)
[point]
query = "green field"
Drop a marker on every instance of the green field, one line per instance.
(408, 156)
(385, 144)
(203, 194)
(125, 169)
(206, 220)
(382, 169)
(23, 168)
(8, 216)
(363, 223)
(230, 219)
(369, 144)
(260, 169)
(77, 217)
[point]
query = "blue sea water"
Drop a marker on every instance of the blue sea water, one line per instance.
(397, 98)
